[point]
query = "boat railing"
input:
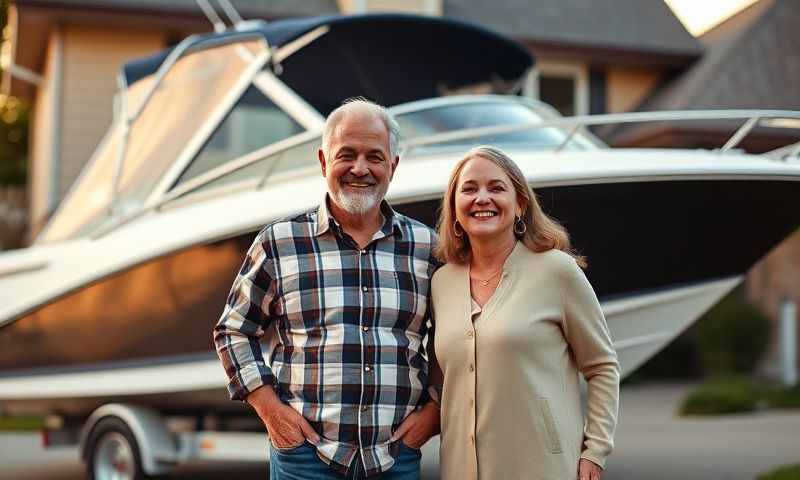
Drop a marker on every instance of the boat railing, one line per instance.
(752, 118)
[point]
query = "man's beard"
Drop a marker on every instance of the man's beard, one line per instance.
(359, 203)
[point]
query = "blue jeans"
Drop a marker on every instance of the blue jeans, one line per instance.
(302, 463)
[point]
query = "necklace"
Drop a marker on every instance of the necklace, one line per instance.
(485, 282)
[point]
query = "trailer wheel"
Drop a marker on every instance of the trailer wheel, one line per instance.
(112, 452)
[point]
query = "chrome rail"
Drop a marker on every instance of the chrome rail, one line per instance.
(752, 119)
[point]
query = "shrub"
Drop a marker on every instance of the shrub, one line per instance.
(721, 397)
(789, 472)
(732, 337)
(784, 397)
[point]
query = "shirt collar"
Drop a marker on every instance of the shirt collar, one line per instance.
(325, 220)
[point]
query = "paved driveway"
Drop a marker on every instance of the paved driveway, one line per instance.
(652, 444)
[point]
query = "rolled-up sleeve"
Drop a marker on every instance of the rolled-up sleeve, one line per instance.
(244, 321)
(588, 336)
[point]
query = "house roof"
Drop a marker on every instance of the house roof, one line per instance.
(261, 8)
(646, 26)
(751, 61)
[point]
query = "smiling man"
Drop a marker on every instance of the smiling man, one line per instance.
(322, 331)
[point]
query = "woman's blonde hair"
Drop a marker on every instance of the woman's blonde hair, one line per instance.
(541, 233)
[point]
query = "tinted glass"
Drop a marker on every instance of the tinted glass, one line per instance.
(253, 123)
(475, 115)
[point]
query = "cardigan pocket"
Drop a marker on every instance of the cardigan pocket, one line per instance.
(553, 442)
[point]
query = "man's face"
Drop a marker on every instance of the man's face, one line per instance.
(358, 165)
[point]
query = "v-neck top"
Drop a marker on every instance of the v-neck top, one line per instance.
(510, 405)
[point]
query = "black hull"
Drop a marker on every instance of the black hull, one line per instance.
(637, 237)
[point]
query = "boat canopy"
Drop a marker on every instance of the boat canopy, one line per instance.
(389, 58)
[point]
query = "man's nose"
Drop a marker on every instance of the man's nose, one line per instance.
(360, 167)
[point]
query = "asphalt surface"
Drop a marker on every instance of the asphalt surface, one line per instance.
(651, 443)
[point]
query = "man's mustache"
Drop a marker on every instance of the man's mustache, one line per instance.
(353, 179)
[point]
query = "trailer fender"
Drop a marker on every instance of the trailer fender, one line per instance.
(156, 446)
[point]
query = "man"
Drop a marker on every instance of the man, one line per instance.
(340, 294)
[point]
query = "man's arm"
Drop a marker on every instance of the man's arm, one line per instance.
(244, 321)
(237, 335)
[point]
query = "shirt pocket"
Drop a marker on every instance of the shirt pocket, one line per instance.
(549, 426)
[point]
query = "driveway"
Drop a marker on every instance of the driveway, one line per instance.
(651, 443)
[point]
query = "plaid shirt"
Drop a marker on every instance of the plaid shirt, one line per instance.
(342, 329)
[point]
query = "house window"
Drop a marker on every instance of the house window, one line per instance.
(564, 86)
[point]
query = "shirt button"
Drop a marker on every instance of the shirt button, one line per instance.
(364, 408)
(365, 328)
(470, 334)
(471, 367)
(363, 252)
(367, 368)
(364, 289)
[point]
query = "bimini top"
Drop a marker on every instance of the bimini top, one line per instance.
(388, 58)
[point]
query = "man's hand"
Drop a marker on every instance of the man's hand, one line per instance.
(588, 470)
(286, 427)
(419, 426)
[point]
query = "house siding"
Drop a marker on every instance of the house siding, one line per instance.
(92, 59)
(627, 87)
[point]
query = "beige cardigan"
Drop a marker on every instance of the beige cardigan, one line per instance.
(511, 405)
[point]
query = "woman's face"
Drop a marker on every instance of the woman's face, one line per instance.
(485, 199)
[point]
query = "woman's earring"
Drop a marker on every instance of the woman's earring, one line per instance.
(519, 226)
(457, 230)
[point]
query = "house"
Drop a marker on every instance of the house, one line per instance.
(63, 56)
(751, 61)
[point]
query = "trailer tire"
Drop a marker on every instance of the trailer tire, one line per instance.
(112, 448)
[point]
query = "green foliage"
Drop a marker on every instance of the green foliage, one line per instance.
(13, 141)
(21, 424)
(13, 130)
(721, 397)
(788, 472)
(738, 395)
(732, 336)
(783, 397)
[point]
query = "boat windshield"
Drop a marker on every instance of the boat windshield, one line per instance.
(450, 117)
(174, 116)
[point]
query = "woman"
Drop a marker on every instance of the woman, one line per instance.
(516, 320)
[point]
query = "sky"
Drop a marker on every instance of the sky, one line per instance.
(700, 15)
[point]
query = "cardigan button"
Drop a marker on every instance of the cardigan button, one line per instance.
(470, 334)
(471, 367)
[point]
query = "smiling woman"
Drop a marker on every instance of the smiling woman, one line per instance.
(532, 323)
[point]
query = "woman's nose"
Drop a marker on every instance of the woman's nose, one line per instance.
(482, 197)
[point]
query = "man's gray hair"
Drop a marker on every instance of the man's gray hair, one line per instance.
(361, 104)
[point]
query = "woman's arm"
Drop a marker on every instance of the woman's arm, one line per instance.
(586, 332)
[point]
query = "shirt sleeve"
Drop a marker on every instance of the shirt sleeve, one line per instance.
(244, 320)
(588, 337)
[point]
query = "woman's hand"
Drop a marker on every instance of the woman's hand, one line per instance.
(588, 470)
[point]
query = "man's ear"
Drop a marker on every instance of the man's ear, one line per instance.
(395, 162)
(321, 156)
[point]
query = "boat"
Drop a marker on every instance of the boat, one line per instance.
(217, 136)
